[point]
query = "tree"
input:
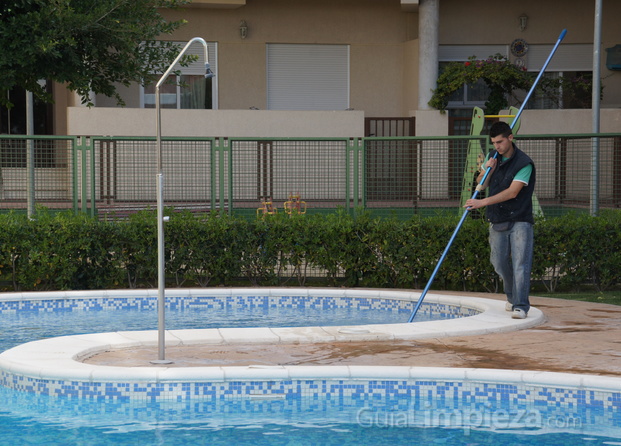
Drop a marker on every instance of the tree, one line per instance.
(88, 45)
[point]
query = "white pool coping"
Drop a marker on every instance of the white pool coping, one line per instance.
(60, 358)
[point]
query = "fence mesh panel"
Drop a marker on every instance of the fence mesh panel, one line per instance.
(399, 176)
(316, 171)
(41, 167)
(126, 174)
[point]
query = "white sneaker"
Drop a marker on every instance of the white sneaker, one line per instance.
(508, 306)
(518, 313)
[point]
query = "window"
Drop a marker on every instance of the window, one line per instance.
(574, 91)
(190, 89)
(462, 102)
(13, 121)
(307, 77)
(469, 96)
(185, 91)
(571, 66)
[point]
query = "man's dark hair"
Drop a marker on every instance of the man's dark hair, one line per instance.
(500, 128)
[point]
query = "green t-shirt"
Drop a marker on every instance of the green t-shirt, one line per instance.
(523, 175)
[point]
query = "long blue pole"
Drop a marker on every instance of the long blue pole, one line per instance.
(476, 192)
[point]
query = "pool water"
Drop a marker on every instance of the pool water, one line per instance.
(362, 419)
(25, 326)
(30, 419)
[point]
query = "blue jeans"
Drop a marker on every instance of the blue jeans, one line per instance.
(512, 257)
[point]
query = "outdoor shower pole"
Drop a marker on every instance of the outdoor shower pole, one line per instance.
(487, 173)
(595, 104)
(30, 159)
(161, 270)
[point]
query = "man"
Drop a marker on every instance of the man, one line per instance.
(510, 211)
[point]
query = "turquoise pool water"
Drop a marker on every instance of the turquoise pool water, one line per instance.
(338, 413)
(28, 419)
(25, 322)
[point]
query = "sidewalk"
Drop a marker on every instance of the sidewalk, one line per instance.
(577, 337)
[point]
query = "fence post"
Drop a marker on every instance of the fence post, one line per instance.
(90, 146)
(81, 144)
(230, 176)
(355, 145)
(222, 172)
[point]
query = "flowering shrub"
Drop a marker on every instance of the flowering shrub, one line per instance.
(501, 76)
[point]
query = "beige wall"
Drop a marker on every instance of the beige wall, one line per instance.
(539, 122)
(60, 109)
(131, 96)
(383, 41)
(241, 76)
(410, 76)
(384, 51)
(375, 30)
(108, 121)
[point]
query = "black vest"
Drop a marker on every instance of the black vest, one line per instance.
(519, 208)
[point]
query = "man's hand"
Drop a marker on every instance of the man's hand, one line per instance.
(491, 163)
(508, 194)
(473, 203)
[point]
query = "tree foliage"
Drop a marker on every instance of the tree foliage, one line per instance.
(89, 45)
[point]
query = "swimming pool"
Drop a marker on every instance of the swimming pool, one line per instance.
(297, 405)
(34, 316)
(52, 365)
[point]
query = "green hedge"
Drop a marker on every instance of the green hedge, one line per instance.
(64, 251)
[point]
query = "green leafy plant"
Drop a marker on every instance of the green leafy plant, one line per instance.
(504, 79)
(501, 76)
(60, 251)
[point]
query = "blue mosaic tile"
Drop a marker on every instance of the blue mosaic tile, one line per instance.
(150, 303)
(359, 390)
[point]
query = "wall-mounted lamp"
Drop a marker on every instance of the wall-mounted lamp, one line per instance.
(243, 29)
(523, 22)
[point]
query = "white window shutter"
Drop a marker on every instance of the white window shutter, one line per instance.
(307, 77)
(568, 57)
(461, 53)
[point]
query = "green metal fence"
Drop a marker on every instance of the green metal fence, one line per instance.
(111, 177)
(323, 173)
(38, 170)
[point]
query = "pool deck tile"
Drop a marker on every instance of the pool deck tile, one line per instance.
(258, 335)
(197, 337)
(576, 337)
(295, 335)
